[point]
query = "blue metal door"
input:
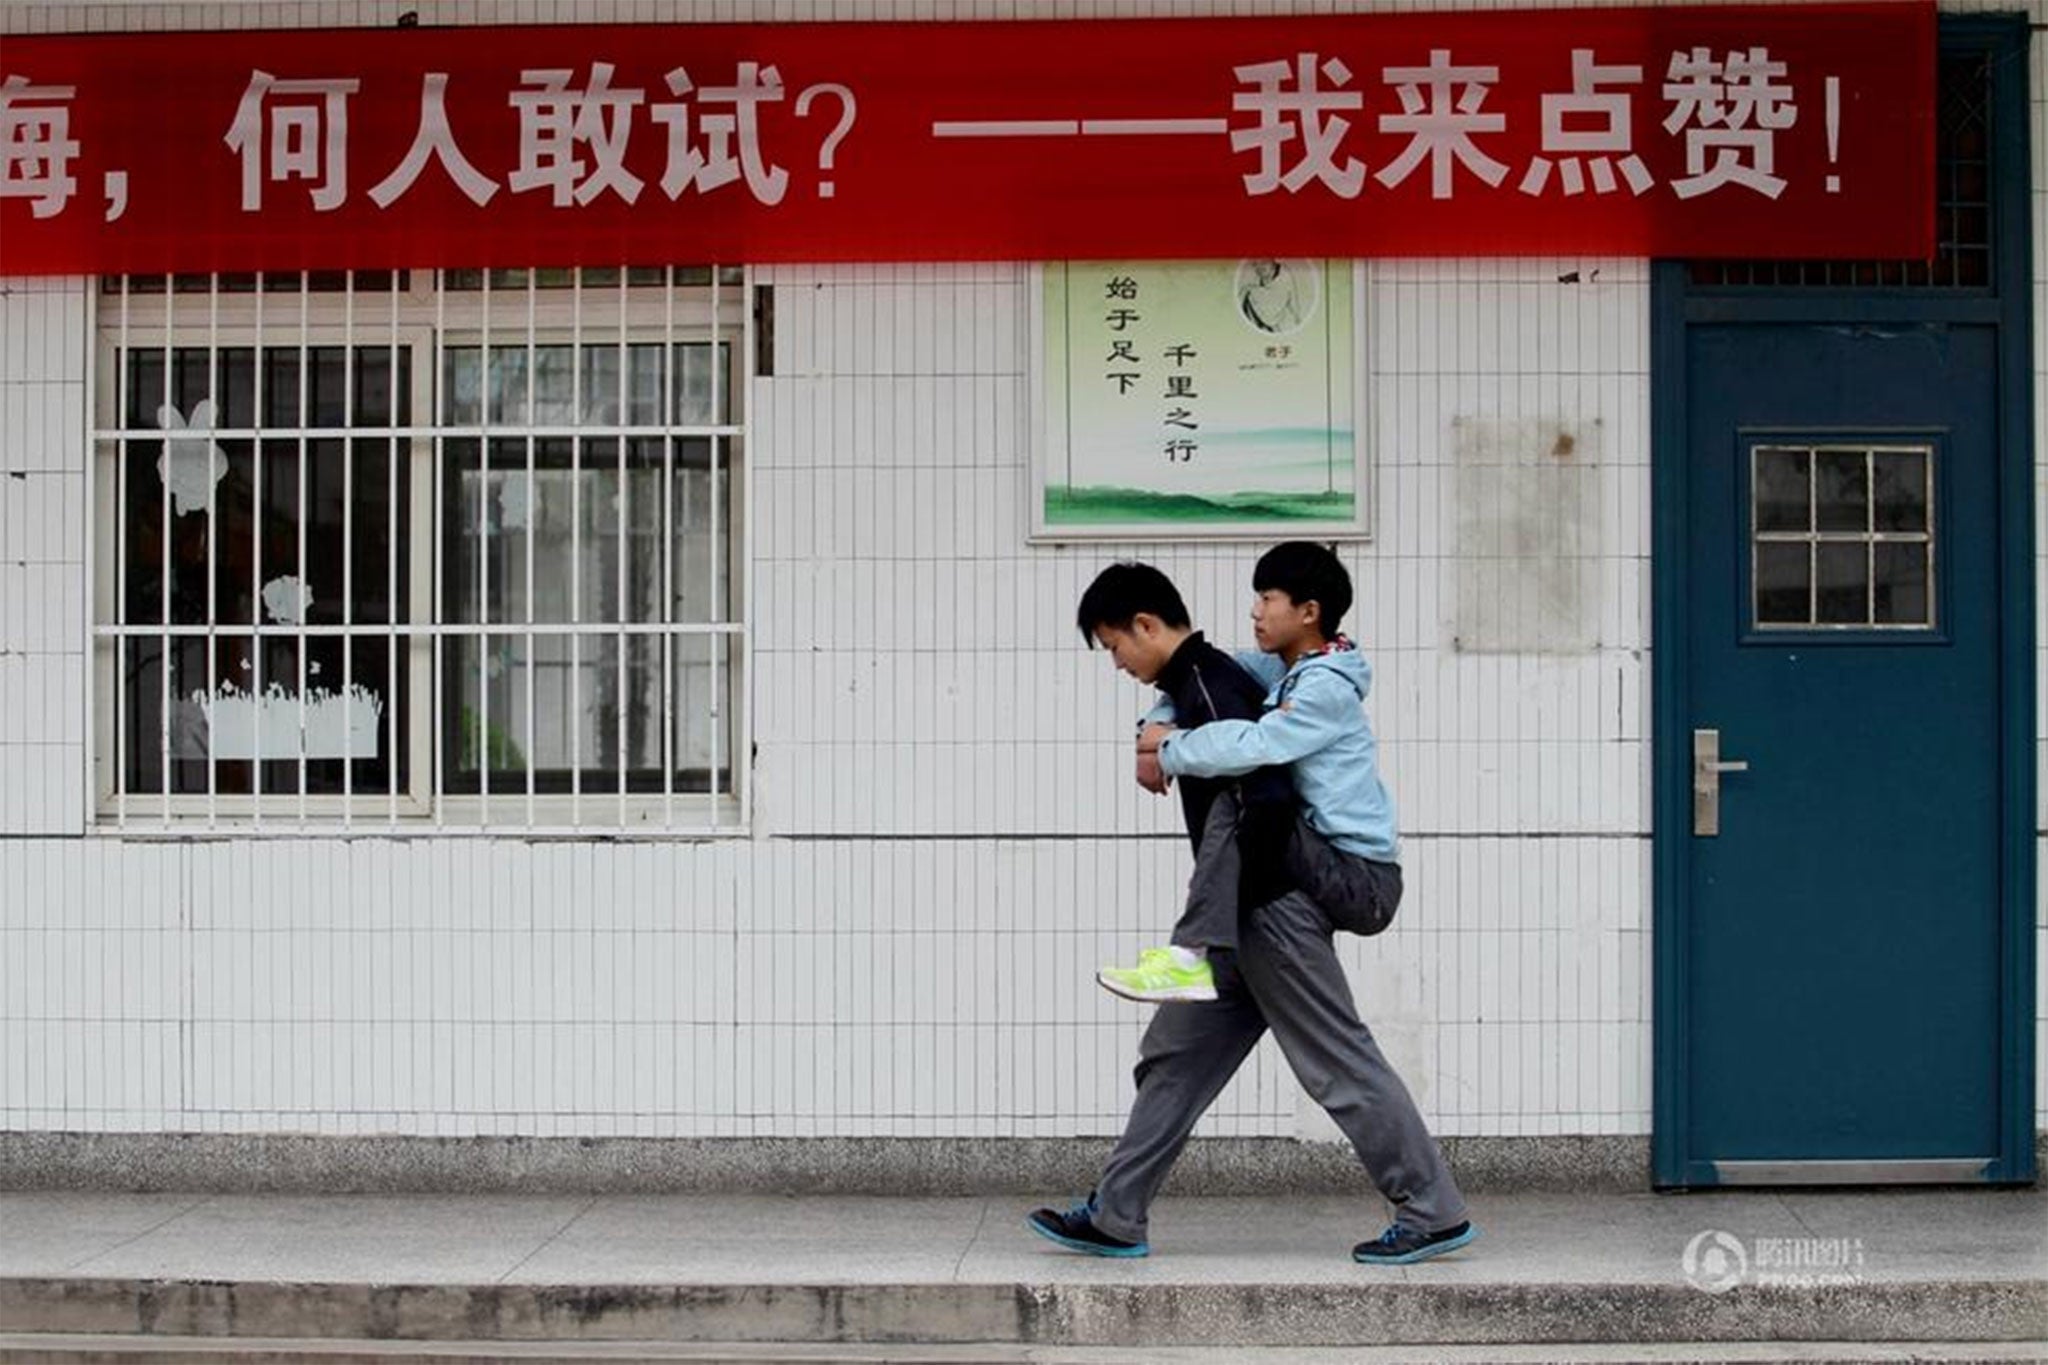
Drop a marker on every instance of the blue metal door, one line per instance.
(1843, 951)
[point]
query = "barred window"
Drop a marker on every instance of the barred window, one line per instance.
(420, 550)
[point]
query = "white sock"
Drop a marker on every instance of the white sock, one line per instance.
(1187, 958)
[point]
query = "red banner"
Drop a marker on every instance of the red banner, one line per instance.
(1786, 131)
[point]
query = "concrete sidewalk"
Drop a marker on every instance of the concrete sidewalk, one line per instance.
(1938, 1267)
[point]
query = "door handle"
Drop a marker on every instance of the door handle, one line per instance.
(1707, 767)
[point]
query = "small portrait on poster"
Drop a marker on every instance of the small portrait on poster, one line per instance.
(1275, 297)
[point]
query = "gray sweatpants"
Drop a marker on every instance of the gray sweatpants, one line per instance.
(1358, 894)
(1286, 977)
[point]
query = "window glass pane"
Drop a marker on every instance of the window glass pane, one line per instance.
(1841, 492)
(595, 749)
(1901, 584)
(485, 536)
(280, 399)
(622, 579)
(380, 566)
(558, 396)
(564, 688)
(196, 398)
(642, 391)
(212, 483)
(487, 719)
(319, 281)
(248, 721)
(560, 559)
(1783, 583)
(643, 385)
(1899, 490)
(1781, 490)
(513, 523)
(702, 584)
(643, 715)
(699, 401)
(601, 391)
(703, 710)
(671, 701)
(499, 518)
(1842, 583)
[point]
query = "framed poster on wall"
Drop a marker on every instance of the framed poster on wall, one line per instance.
(1182, 400)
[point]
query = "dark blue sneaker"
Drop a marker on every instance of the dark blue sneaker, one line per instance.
(1403, 1245)
(1076, 1231)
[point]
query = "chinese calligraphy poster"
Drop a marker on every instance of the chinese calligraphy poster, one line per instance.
(1207, 398)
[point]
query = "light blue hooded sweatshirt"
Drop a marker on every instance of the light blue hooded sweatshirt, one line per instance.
(1315, 724)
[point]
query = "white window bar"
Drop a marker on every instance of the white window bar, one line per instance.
(213, 520)
(301, 595)
(532, 547)
(348, 544)
(392, 524)
(575, 549)
(487, 421)
(258, 507)
(717, 597)
(444, 417)
(742, 779)
(671, 379)
(164, 419)
(117, 413)
(619, 657)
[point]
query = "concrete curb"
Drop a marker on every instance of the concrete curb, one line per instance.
(306, 1164)
(1054, 1315)
(134, 1350)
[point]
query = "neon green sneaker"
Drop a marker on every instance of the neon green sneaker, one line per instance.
(1158, 979)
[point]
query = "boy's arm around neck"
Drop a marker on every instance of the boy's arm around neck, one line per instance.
(1321, 708)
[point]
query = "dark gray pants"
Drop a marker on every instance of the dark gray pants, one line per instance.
(1357, 894)
(1286, 977)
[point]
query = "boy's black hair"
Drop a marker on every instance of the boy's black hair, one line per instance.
(1307, 572)
(1121, 591)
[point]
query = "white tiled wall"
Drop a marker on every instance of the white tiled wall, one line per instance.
(948, 842)
(42, 555)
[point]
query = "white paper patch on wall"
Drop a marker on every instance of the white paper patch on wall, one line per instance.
(1528, 566)
(242, 725)
(191, 463)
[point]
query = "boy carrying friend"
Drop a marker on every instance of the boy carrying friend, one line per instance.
(1283, 975)
(1342, 851)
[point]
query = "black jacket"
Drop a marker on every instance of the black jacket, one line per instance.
(1205, 684)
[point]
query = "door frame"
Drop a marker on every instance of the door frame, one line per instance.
(1675, 304)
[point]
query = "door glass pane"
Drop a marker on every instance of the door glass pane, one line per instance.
(1784, 583)
(1841, 491)
(1782, 490)
(1842, 583)
(1901, 594)
(1899, 490)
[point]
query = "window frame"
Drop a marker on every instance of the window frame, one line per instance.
(423, 317)
(1931, 443)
